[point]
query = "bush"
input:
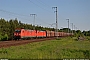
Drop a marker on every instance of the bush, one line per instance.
(88, 38)
(3, 38)
(0, 37)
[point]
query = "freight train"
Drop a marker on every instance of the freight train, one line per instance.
(21, 33)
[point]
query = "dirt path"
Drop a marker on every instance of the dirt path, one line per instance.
(20, 42)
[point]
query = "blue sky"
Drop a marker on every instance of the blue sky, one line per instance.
(77, 11)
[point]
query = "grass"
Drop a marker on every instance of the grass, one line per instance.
(53, 49)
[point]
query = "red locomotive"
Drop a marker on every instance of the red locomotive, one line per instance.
(26, 33)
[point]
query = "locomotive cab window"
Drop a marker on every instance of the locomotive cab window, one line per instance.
(17, 30)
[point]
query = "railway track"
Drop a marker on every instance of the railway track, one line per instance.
(4, 44)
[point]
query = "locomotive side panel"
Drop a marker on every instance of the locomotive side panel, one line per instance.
(41, 33)
(44, 34)
(33, 33)
(28, 33)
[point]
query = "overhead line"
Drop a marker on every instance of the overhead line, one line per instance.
(39, 6)
(19, 15)
(43, 3)
(42, 21)
(13, 13)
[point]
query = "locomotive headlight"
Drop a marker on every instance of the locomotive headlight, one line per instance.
(14, 34)
(19, 34)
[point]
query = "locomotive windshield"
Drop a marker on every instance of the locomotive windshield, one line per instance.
(17, 30)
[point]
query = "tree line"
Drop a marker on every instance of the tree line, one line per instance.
(7, 28)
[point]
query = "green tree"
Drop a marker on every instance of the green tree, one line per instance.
(0, 36)
(12, 28)
(5, 37)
